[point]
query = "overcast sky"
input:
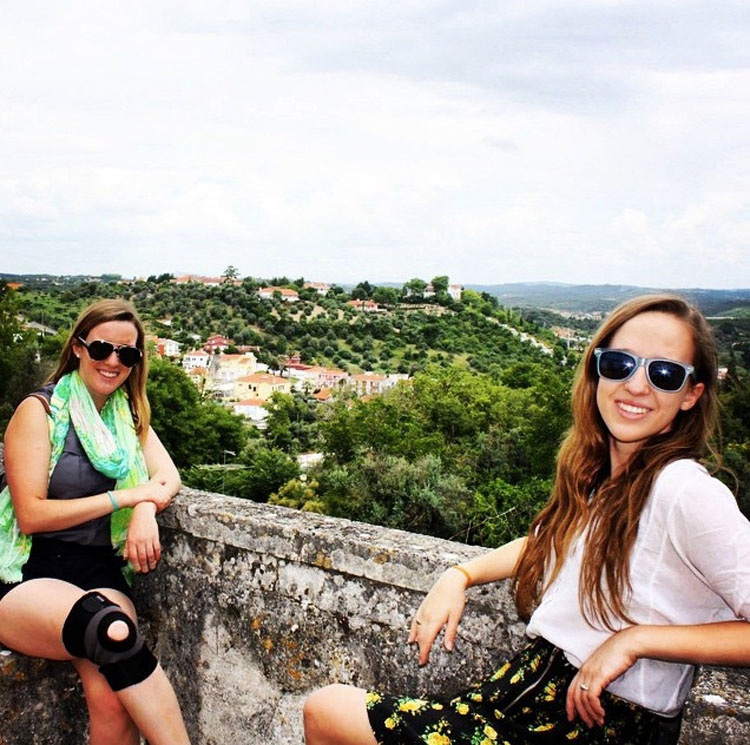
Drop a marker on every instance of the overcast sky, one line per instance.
(593, 141)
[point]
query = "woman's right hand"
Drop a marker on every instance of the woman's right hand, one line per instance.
(154, 490)
(442, 607)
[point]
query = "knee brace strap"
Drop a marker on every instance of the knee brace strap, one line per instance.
(123, 663)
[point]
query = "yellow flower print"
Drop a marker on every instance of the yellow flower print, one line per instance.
(544, 727)
(573, 735)
(476, 696)
(412, 704)
(501, 672)
(390, 723)
(437, 707)
(518, 676)
(435, 738)
(372, 698)
(550, 692)
(490, 732)
(534, 665)
(462, 708)
(486, 741)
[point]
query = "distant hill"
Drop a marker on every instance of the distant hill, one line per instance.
(602, 298)
(558, 296)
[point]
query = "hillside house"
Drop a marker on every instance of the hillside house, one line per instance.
(199, 378)
(260, 385)
(371, 384)
(252, 409)
(167, 347)
(455, 292)
(217, 342)
(196, 358)
(316, 377)
(367, 384)
(287, 295)
(320, 287)
(366, 306)
(197, 279)
(229, 367)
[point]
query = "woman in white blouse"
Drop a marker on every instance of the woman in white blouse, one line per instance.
(637, 568)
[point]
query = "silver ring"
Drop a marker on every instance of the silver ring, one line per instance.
(584, 687)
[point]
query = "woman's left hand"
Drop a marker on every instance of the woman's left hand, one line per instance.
(608, 662)
(142, 547)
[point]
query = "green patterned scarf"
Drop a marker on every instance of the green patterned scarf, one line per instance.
(111, 444)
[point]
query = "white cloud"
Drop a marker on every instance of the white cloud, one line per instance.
(591, 142)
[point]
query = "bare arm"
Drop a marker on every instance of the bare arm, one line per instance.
(444, 604)
(27, 452)
(143, 547)
(495, 565)
(161, 468)
(724, 643)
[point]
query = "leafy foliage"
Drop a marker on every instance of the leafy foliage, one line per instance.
(421, 456)
(466, 449)
(21, 368)
(193, 431)
(260, 472)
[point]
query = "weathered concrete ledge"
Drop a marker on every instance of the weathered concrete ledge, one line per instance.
(254, 605)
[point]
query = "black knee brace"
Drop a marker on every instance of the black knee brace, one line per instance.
(123, 663)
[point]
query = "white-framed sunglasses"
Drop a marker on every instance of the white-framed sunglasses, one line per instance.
(668, 376)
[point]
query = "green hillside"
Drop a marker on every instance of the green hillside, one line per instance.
(466, 449)
(476, 333)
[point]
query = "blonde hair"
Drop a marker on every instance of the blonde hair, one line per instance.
(583, 470)
(103, 311)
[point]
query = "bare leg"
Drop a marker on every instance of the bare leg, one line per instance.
(31, 620)
(154, 707)
(152, 703)
(110, 722)
(337, 715)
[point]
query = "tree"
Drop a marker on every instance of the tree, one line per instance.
(363, 291)
(415, 288)
(20, 370)
(385, 295)
(440, 284)
(259, 472)
(299, 494)
(192, 431)
(290, 425)
(501, 512)
(419, 496)
(230, 273)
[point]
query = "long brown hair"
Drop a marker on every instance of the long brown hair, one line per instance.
(103, 311)
(583, 470)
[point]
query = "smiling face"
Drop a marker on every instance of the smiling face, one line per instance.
(632, 410)
(104, 377)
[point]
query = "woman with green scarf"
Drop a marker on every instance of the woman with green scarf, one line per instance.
(86, 476)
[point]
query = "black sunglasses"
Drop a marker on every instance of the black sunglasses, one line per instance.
(99, 350)
(668, 376)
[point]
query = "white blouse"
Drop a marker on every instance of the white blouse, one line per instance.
(690, 564)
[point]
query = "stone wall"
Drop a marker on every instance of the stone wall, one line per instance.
(253, 606)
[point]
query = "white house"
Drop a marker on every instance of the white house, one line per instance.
(287, 295)
(168, 347)
(455, 292)
(196, 358)
(320, 287)
(252, 409)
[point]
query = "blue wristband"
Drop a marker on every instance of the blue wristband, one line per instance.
(113, 500)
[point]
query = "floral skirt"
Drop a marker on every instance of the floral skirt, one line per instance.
(522, 703)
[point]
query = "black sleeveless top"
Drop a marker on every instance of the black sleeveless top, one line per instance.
(74, 476)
